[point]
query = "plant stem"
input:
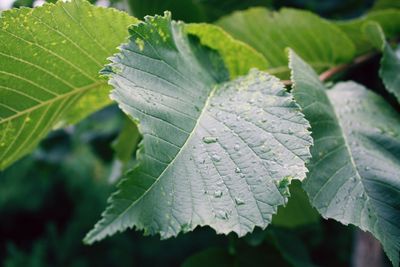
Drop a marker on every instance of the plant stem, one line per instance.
(340, 68)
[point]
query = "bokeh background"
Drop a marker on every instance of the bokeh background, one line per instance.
(51, 198)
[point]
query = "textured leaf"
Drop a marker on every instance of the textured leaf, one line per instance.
(389, 20)
(318, 41)
(238, 56)
(355, 169)
(214, 152)
(50, 58)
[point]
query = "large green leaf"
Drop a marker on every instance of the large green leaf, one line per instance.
(355, 168)
(318, 41)
(214, 152)
(389, 20)
(50, 58)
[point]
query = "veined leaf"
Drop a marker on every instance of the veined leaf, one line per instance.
(214, 152)
(355, 169)
(318, 41)
(50, 58)
(389, 20)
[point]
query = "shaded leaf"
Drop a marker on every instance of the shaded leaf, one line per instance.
(355, 169)
(239, 58)
(298, 211)
(318, 41)
(50, 58)
(213, 152)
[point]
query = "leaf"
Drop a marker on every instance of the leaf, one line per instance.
(50, 58)
(229, 48)
(127, 141)
(192, 10)
(385, 4)
(318, 41)
(298, 211)
(214, 152)
(390, 61)
(389, 20)
(390, 70)
(354, 171)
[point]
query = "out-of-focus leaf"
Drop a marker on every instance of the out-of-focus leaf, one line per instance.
(390, 62)
(386, 4)
(214, 152)
(192, 10)
(127, 141)
(239, 58)
(390, 70)
(318, 41)
(291, 247)
(298, 211)
(389, 20)
(354, 173)
(50, 58)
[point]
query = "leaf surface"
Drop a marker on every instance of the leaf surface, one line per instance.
(354, 174)
(388, 19)
(50, 58)
(214, 152)
(318, 41)
(390, 70)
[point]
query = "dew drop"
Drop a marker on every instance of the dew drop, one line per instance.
(367, 168)
(218, 193)
(237, 170)
(236, 147)
(210, 139)
(221, 214)
(239, 201)
(242, 175)
(215, 157)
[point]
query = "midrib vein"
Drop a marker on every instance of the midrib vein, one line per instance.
(53, 100)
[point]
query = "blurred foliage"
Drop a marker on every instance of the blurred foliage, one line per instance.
(50, 199)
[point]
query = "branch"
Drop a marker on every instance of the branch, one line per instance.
(340, 68)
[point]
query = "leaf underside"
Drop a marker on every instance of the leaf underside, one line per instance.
(354, 174)
(50, 58)
(214, 152)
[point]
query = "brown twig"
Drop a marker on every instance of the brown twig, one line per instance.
(340, 68)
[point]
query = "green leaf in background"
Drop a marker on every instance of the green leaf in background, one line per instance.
(238, 57)
(389, 20)
(354, 174)
(390, 62)
(213, 152)
(192, 10)
(50, 58)
(318, 41)
(390, 70)
(385, 4)
(298, 211)
(126, 143)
